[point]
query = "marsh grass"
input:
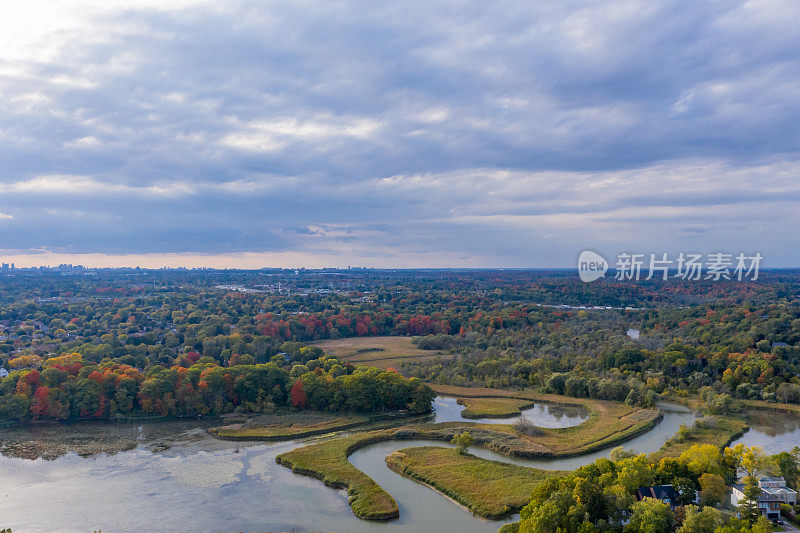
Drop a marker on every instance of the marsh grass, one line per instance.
(289, 429)
(721, 432)
(493, 407)
(490, 489)
(609, 423)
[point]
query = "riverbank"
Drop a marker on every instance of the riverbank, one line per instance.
(490, 489)
(608, 424)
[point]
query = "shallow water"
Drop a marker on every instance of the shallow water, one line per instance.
(203, 484)
(772, 430)
(447, 409)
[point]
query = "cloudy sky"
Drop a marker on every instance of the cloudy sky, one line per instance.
(409, 134)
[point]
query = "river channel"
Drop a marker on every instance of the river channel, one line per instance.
(203, 484)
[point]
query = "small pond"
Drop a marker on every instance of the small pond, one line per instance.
(446, 409)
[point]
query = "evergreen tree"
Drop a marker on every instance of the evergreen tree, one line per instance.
(748, 506)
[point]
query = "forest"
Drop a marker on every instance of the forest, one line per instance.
(189, 343)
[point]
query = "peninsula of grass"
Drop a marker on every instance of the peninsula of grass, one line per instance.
(327, 461)
(492, 407)
(609, 423)
(490, 489)
(717, 430)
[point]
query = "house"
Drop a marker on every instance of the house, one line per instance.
(3, 372)
(774, 492)
(777, 486)
(665, 493)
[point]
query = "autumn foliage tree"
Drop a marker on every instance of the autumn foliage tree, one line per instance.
(298, 395)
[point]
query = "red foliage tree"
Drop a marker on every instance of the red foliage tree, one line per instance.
(298, 395)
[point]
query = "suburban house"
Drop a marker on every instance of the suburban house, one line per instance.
(665, 493)
(777, 486)
(774, 492)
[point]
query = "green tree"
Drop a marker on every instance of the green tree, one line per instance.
(788, 464)
(712, 489)
(651, 516)
(634, 472)
(463, 441)
(698, 520)
(748, 506)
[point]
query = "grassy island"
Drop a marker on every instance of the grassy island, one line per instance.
(493, 407)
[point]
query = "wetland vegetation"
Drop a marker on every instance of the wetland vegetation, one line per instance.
(353, 363)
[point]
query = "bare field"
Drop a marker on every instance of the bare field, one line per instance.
(381, 352)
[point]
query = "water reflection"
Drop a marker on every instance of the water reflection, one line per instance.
(446, 409)
(772, 430)
(203, 484)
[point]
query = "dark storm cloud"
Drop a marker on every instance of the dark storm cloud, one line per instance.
(350, 127)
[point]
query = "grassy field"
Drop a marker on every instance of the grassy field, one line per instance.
(490, 489)
(492, 407)
(381, 352)
(289, 426)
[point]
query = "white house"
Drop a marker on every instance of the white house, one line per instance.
(774, 492)
(3, 372)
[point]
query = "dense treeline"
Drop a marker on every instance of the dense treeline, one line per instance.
(742, 339)
(743, 350)
(68, 387)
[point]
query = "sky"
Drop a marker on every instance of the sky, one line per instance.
(397, 134)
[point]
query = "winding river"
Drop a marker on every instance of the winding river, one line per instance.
(203, 484)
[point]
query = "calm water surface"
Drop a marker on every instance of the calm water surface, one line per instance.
(545, 415)
(203, 484)
(774, 431)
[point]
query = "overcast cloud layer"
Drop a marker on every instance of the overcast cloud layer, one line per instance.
(397, 134)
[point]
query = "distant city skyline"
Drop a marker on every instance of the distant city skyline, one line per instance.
(277, 134)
